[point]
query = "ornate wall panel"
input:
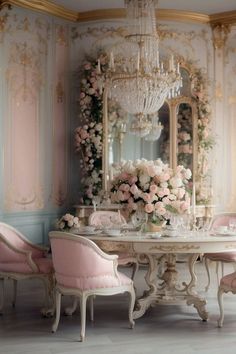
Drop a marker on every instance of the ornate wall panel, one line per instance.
(24, 73)
(60, 117)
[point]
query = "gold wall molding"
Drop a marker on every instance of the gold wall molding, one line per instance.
(44, 6)
(223, 18)
(49, 7)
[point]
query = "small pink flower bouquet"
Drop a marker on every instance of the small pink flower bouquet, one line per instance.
(153, 187)
(67, 222)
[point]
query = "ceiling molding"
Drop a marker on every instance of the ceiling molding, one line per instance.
(49, 7)
(44, 6)
(223, 18)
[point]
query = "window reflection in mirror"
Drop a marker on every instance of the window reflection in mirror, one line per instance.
(185, 90)
(185, 135)
(124, 145)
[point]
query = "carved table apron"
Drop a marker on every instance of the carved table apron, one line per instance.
(162, 275)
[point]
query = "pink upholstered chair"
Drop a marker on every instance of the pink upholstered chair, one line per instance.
(83, 270)
(21, 259)
(113, 219)
(224, 257)
(227, 284)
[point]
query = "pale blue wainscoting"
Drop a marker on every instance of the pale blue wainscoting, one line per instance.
(35, 226)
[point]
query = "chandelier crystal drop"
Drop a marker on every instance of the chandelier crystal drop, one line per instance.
(137, 79)
(156, 129)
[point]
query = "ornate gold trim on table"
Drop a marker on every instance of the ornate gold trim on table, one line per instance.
(173, 248)
(51, 8)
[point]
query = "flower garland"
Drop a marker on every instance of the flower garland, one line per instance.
(88, 137)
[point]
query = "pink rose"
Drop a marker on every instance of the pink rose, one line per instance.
(153, 188)
(149, 208)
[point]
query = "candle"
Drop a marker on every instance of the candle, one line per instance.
(111, 64)
(99, 67)
(194, 200)
(94, 205)
(138, 61)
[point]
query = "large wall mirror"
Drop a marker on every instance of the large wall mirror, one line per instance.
(105, 137)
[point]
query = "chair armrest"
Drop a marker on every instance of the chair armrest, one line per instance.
(26, 253)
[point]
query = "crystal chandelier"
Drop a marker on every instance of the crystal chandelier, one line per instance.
(137, 79)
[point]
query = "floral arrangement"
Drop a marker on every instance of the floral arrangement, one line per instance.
(67, 221)
(153, 187)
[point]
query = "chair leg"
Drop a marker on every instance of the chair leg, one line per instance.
(131, 307)
(220, 302)
(14, 292)
(49, 297)
(2, 295)
(70, 310)
(58, 311)
(207, 261)
(91, 308)
(135, 269)
(83, 300)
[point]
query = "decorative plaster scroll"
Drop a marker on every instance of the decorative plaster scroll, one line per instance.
(220, 34)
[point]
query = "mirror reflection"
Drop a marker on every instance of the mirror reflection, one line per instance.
(126, 141)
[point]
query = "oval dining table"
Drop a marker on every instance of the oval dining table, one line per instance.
(162, 277)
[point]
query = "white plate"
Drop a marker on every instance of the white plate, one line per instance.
(84, 232)
(153, 234)
(114, 235)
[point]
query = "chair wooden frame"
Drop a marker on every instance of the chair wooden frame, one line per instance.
(208, 259)
(46, 278)
(83, 295)
(221, 290)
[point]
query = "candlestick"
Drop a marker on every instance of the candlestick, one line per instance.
(194, 206)
(194, 199)
(99, 67)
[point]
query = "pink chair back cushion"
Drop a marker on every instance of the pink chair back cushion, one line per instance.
(8, 255)
(44, 264)
(229, 280)
(222, 220)
(79, 265)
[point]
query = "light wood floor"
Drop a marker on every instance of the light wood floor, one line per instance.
(163, 330)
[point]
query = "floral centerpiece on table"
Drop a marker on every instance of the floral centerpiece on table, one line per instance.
(153, 187)
(67, 222)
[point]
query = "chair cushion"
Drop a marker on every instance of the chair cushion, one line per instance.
(223, 256)
(229, 280)
(89, 283)
(44, 264)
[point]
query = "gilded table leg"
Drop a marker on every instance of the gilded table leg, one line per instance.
(169, 291)
(149, 296)
(191, 296)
